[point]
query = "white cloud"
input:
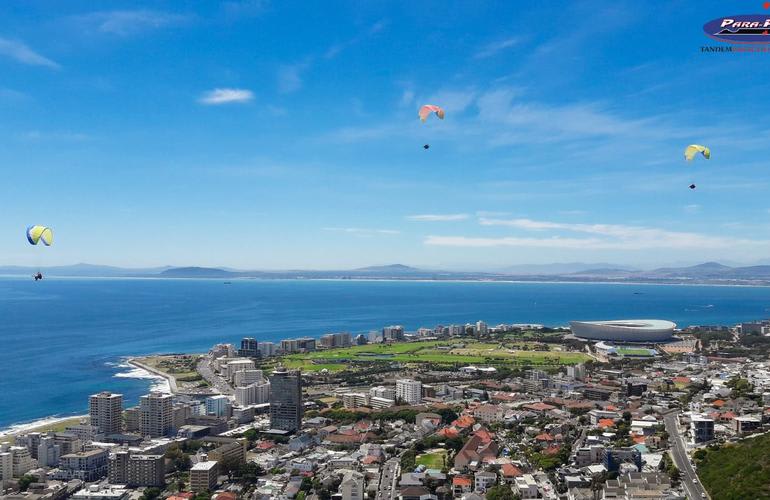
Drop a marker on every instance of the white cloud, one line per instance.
(407, 98)
(12, 95)
(487, 213)
(334, 50)
(437, 217)
(493, 48)
(605, 236)
(226, 96)
(37, 135)
(20, 52)
(129, 22)
(464, 241)
(244, 8)
(290, 77)
(361, 231)
(453, 101)
(692, 209)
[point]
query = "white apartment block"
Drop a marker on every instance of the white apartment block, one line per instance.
(409, 391)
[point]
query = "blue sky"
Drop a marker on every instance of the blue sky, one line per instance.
(265, 135)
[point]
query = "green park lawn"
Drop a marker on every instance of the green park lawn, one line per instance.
(431, 352)
(434, 460)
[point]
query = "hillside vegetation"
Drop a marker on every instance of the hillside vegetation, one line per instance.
(737, 472)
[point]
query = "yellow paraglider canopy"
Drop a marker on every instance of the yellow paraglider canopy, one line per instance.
(693, 149)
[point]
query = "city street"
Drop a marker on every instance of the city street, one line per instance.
(694, 490)
(218, 384)
(387, 489)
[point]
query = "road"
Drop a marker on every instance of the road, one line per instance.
(388, 479)
(695, 491)
(218, 384)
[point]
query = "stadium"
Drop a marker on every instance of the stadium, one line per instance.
(626, 330)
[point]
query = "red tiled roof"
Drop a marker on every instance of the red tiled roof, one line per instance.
(551, 450)
(510, 470)
(461, 481)
(266, 445)
(449, 432)
(539, 407)
(485, 435)
(464, 421)
(606, 422)
(544, 437)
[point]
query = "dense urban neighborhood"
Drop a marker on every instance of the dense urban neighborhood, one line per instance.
(451, 412)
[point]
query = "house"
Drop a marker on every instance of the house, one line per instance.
(352, 486)
(484, 480)
(509, 473)
(417, 493)
(526, 486)
(461, 485)
(477, 449)
(488, 413)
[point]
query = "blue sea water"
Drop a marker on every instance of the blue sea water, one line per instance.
(63, 339)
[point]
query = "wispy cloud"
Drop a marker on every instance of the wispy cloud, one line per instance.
(129, 22)
(488, 213)
(337, 48)
(20, 52)
(493, 48)
(361, 231)
(407, 98)
(453, 101)
(289, 77)
(226, 96)
(692, 209)
(604, 236)
(12, 95)
(437, 217)
(38, 135)
(244, 8)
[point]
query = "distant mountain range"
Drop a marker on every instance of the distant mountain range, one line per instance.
(706, 273)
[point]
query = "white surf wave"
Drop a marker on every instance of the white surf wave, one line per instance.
(159, 384)
(27, 426)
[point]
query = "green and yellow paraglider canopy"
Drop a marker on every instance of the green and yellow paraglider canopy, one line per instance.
(36, 234)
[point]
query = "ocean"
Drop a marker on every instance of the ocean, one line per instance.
(63, 339)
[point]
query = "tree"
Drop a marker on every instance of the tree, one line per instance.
(25, 481)
(229, 465)
(251, 435)
(180, 461)
(151, 494)
(249, 472)
(673, 471)
(408, 460)
(500, 492)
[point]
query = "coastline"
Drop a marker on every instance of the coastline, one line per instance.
(513, 279)
(156, 374)
(53, 422)
(39, 425)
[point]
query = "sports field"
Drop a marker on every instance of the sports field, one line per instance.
(436, 351)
